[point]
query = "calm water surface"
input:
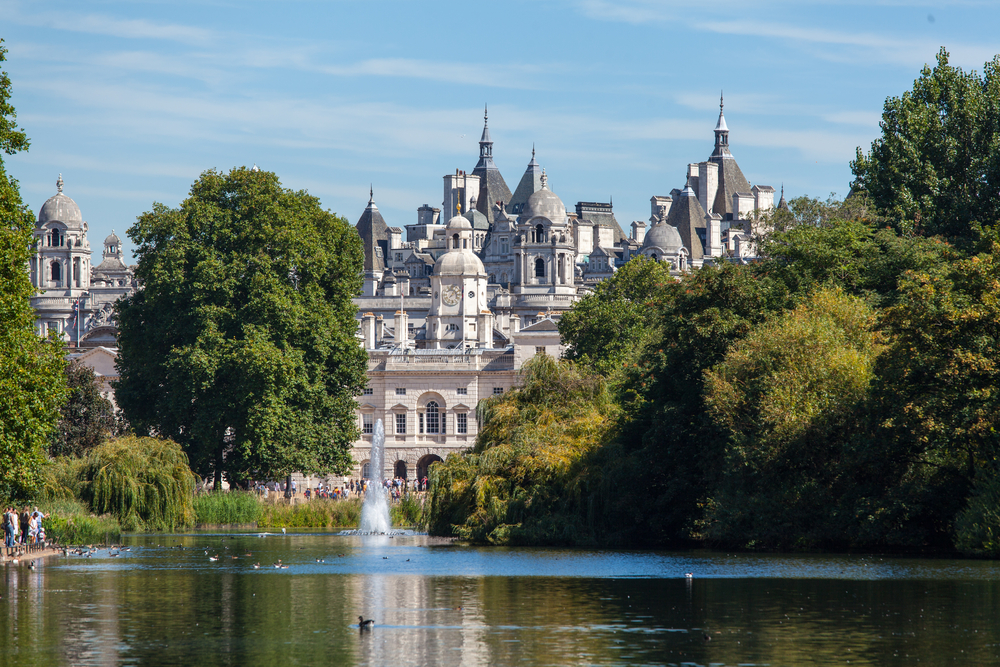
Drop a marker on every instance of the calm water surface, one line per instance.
(166, 603)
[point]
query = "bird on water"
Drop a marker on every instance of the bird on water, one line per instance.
(365, 624)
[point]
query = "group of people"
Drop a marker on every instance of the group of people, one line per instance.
(396, 487)
(23, 528)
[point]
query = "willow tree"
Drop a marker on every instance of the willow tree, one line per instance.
(240, 346)
(32, 384)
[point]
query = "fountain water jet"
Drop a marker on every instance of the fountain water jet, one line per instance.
(375, 510)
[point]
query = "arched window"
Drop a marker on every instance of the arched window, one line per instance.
(493, 278)
(56, 271)
(454, 241)
(432, 418)
(539, 234)
(366, 469)
(539, 268)
(653, 256)
(503, 278)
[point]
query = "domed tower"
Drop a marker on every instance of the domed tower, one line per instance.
(112, 271)
(62, 260)
(546, 255)
(459, 316)
(663, 244)
(60, 268)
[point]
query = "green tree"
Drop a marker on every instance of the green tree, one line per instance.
(32, 383)
(936, 167)
(787, 399)
(86, 419)
(529, 477)
(241, 345)
(608, 326)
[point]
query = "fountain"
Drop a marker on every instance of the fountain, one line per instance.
(375, 510)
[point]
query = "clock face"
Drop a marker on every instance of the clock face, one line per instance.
(472, 295)
(451, 294)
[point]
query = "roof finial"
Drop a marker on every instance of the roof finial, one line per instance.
(458, 207)
(545, 180)
(720, 101)
(486, 113)
(532, 150)
(59, 184)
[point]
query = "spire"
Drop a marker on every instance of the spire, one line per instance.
(533, 163)
(485, 144)
(721, 133)
(371, 197)
(59, 184)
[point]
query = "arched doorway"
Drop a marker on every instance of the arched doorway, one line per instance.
(400, 470)
(425, 463)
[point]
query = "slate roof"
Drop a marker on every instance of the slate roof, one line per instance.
(544, 325)
(731, 178)
(374, 236)
(531, 182)
(687, 216)
(602, 214)
(492, 187)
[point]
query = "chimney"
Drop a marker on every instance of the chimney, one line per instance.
(402, 334)
(368, 329)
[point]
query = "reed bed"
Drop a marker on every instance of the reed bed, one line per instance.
(316, 513)
(233, 507)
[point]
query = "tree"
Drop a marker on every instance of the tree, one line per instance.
(936, 167)
(86, 419)
(787, 399)
(608, 326)
(32, 384)
(241, 343)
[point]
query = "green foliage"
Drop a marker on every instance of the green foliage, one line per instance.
(145, 483)
(233, 507)
(785, 398)
(317, 513)
(608, 326)
(32, 383)
(69, 523)
(936, 167)
(527, 477)
(60, 479)
(241, 344)
(977, 529)
(409, 511)
(86, 419)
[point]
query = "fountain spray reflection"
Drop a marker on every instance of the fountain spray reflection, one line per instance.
(375, 510)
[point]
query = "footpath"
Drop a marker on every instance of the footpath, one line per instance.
(28, 552)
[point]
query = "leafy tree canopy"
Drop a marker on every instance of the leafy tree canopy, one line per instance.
(608, 326)
(86, 419)
(32, 384)
(936, 167)
(241, 344)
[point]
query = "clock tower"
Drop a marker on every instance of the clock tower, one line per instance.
(459, 316)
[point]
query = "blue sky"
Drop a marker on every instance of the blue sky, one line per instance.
(131, 101)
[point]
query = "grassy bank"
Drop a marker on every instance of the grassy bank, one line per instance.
(236, 507)
(70, 522)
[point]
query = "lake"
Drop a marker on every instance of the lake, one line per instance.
(435, 603)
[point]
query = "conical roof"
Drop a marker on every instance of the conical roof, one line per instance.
(531, 182)
(374, 235)
(687, 216)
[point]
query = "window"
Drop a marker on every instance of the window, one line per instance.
(367, 423)
(504, 247)
(539, 349)
(462, 422)
(400, 391)
(401, 424)
(539, 268)
(366, 470)
(368, 391)
(497, 391)
(462, 391)
(454, 241)
(399, 257)
(432, 417)
(56, 271)
(539, 234)
(452, 327)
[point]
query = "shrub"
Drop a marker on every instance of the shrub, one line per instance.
(977, 527)
(69, 522)
(145, 483)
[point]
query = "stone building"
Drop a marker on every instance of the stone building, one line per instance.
(75, 301)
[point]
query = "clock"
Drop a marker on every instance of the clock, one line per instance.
(451, 294)
(472, 295)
